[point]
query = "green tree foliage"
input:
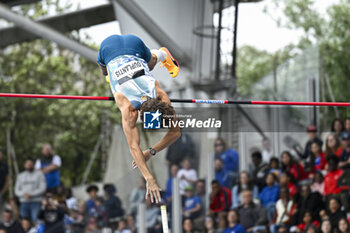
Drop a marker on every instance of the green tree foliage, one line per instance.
(253, 64)
(72, 126)
(331, 32)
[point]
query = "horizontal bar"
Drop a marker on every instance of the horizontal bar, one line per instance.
(70, 97)
(340, 104)
(196, 101)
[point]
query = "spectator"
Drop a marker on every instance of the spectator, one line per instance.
(347, 124)
(222, 216)
(244, 183)
(169, 184)
(137, 195)
(337, 127)
(269, 195)
(188, 226)
(283, 212)
(13, 206)
(40, 228)
(183, 147)
(9, 224)
(312, 133)
(274, 166)
(101, 213)
(343, 226)
(113, 205)
(259, 170)
(68, 223)
(307, 221)
(307, 201)
(294, 168)
(333, 146)
(229, 156)
(152, 215)
(345, 155)
(186, 175)
(311, 229)
(323, 215)
(30, 188)
(331, 178)
(60, 194)
(193, 205)
(266, 152)
(287, 180)
(317, 184)
(200, 192)
(316, 160)
(131, 223)
(233, 223)
(334, 212)
(220, 198)
(122, 227)
(90, 207)
(91, 226)
(253, 217)
(284, 229)
(77, 218)
(27, 226)
(4, 179)
(210, 225)
(326, 227)
(222, 175)
(52, 215)
(50, 165)
(71, 201)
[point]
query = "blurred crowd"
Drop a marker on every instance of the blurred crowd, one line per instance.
(302, 191)
(43, 205)
(299, 190)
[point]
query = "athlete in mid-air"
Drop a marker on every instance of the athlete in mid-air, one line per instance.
(128, 62)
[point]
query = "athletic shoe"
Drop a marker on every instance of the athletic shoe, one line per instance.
(170, 63)
(107, 79)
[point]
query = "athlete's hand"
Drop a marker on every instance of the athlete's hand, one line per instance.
(146, 154)
(153, 191)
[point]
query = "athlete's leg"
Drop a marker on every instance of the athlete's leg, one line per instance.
(160, 54)
(164, 56)
(170, 63)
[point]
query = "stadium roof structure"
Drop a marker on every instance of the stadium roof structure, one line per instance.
(63, 23)
(18, 2)
(54, 27)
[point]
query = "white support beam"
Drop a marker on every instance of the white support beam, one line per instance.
(141, 218)
(176, 208)
(159, 35)
(65, 22)
(46, 32)
(18, 2)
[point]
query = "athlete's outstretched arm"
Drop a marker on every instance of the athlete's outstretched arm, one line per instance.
(131, 132)
(173, 133)
(170, 137)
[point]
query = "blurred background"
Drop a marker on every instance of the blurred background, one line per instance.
(74, 157)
